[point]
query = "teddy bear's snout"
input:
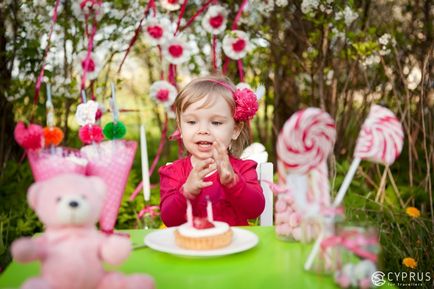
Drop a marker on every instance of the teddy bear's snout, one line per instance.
(74, 204)
(74, 210)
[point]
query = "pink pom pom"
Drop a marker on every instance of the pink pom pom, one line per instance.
(246, 104)
(29, 137)
(90, 133)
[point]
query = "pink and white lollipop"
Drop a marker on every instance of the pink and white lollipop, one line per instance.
(380, 141)
(305, 141)
(381, 138)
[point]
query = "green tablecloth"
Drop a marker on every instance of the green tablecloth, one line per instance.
(271, 264)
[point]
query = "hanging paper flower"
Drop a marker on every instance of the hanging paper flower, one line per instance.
(214, 21)
(28, 137)
(114, 130)
(92, 65)
(176, 51)
(157, 30)
(91, 134)
(52, 136)
(236, 44)
(171, 5)
(86, 112)
(163, 92)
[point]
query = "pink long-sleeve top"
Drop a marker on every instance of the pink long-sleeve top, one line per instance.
(234, 205)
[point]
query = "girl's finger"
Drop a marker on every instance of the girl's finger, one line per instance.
(203, 164)
(208, 170)
(205, 184)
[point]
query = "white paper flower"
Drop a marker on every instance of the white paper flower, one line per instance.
(236, 44)
(163, 92)
(243, 85)
(176, 51)
(214, 21)
(86, 112)
(157, 30)
(171, 5)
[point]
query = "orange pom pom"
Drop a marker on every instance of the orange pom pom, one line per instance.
(52, 136)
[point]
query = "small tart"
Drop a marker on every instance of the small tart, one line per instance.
(188, 237)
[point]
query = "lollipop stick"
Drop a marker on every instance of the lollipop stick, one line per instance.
(314, 251)
(347, 181)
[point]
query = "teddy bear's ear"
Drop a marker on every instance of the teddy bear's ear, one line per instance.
(99, 186)
(32, 195)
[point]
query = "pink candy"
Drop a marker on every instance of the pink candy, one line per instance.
(305, 141)
(381, 138)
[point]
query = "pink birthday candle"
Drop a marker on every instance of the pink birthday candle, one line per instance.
(209, 210)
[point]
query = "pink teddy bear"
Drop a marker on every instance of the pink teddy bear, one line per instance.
(71, 249)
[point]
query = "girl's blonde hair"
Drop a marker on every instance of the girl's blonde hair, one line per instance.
(208, 87)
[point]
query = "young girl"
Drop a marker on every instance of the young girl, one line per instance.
(212, 118)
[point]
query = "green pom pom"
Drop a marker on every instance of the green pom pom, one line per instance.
(114, 130)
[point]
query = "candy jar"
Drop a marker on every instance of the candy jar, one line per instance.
(359, 248)
(287, 218)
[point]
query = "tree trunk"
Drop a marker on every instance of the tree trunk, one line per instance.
(8, 147)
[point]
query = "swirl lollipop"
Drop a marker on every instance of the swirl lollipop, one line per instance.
(305, 141)
(380, 141)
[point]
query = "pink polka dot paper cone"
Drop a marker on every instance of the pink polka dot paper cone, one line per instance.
(112, 161)
(46, 164)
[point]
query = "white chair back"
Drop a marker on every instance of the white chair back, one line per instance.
(265, 174)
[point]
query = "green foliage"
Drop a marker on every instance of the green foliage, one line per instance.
(16, 218)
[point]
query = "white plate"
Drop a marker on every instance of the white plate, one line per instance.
(164, 241)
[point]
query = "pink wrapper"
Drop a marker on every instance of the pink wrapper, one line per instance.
(46, 164)
(112, 161)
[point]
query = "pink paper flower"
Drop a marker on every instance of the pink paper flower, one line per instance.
(246, 104)
(157, 30)
(236, 44)
(30, 137)
(215, 19)
(171, 5)
(91, 134)
(176, 51)
(163, 93)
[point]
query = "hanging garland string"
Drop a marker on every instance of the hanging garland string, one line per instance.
(234, 27)
(41, 73)
(181, 14)
(197, 14)
(150, 5)
(88, 59)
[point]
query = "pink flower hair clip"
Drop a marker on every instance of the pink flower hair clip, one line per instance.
(246, 101)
